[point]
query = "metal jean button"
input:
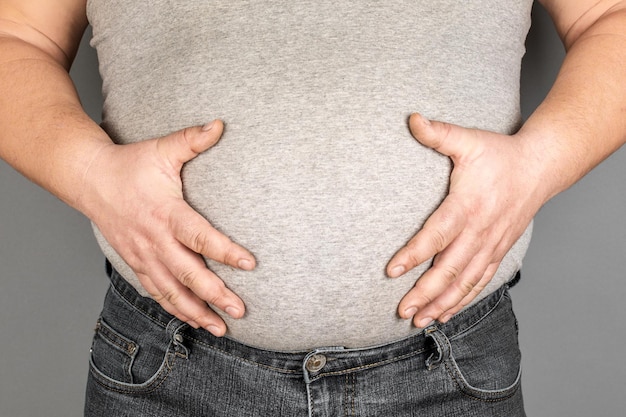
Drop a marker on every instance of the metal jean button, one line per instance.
(315, 363)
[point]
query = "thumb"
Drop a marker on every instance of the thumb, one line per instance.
(448, 139)
(184, 145)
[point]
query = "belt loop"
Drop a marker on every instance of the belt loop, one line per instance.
(514, 281)
(174, 332)
(108, 267)
(444, 348)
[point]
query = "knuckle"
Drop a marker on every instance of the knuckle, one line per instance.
(445, 130)
(442, 134)
(212, 244)
(171, 296)
(424, 299)
(202, 317)
(188, 278)
(439, 307)
(162, 215)
(449, 273)
(229, 255)
(437, 240)
(217, 294)
(446, 304)
(158, 297)
(465, 287)
(186, 136)
(199, 242)
(413, 256)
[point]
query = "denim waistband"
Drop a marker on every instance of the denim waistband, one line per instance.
(336, 359)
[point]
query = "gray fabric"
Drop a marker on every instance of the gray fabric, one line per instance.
(317, 173)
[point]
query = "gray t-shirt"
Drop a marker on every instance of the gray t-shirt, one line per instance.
(317, 173)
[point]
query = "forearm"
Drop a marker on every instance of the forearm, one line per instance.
(583, 118)
(44, 132)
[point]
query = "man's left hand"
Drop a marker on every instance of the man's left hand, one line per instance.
(492, 199)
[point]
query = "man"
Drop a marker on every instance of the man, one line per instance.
(133, 193)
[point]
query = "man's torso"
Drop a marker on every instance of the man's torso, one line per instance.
(316, 173)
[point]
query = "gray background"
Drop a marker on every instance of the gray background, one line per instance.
(569, 302)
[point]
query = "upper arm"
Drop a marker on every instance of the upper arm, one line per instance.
(54, 26)
(573, 17)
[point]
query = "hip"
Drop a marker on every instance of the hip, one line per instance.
(145, 362)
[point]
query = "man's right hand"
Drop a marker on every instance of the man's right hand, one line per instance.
(133, 193)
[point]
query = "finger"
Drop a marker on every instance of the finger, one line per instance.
(189, 269)
(452, 295)
(490, 271)
(447, 267)
(446, 138)
(184, 145)
(478, 288)
(441, 228)
(176, 298)
(196, 233)
(167, 306)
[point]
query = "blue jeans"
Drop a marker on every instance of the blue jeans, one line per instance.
(145, 362)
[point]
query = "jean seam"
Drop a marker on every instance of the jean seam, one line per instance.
(139, 309)
(115, 340)
(125, 344)
(369, 366)
(350, 395)
(293, 372)
(310, 400)
(272, 368)
(153, 384)
(472, 393)
(479, 320)
(459, 379)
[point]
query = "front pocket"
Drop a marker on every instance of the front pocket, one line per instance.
(112, 353)
(496, 381)
(483, 361)
(121, 364)
(486, 360)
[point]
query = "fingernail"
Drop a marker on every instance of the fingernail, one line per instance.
(193, 324)
(245, 264)
(232, 311)
(446, 318)
(424, 322)
(208, 126)
(410, 312)
(396, 271)
(425, 120)
(216, 331)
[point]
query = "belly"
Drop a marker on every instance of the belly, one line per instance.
(323, 215)
(317, 173)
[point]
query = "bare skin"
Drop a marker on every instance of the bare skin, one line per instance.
(46, 135)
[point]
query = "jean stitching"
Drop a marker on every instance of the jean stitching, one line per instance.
(138, 308)
(353, 395)
(289, 371)
(474, 394)
(311, 407)
(465, 388)
(479, 320)
(282, 370)
(346, 411)
(157, 380)
(106, 332)
(371, 365)
(350, 394)
(293, 372)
